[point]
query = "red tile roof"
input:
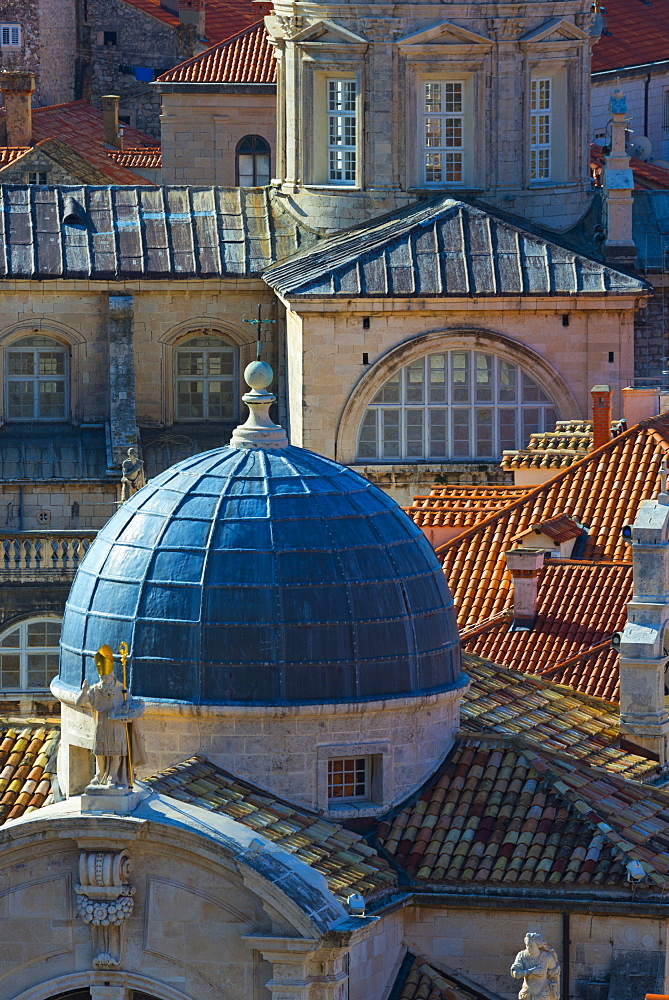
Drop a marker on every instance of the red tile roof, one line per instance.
(461, 506)
(647, 176)
(146, 159)
(550, 717)
(10, 153)
(557, 449)
(500, 811)
(559, 529)
(248, 57)
(638, 33)
(223, 18)
(27, 764)
(80, 126)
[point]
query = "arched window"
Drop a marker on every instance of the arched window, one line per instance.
(253, 161)
(205, 377)
(455, 405)
(29, 655)
(36, 379)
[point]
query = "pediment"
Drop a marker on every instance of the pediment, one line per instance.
(328, 31)
(555, 30)
(444, 33)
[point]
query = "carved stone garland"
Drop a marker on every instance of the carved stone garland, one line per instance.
(105, 901)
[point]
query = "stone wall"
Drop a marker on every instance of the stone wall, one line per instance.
(141, 40)
(200, 133)
(651, 344)
(49, 44)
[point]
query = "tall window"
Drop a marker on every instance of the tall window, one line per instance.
(205, 372)
(443, 131)
(29, 655)
(253, 161)
(540, 130)
(456, 405)
(10, 36)
(36, 379)
(342, 131)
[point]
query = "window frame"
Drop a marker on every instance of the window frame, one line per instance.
(536, 147)
(341, 116)
(255, 154)
(11, 27)
(449, 407)
(58, 347)
(464, 118)
(365, 795)
(182, 347)
(24, 652)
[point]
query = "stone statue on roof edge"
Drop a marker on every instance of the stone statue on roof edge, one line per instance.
(538, 966)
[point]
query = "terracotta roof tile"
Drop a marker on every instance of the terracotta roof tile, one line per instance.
(503, 812)
(343, 858)
(223, 18)
(559, 529)
(505, 702)
(248, 57)
(147, 159)
(80, 126)
(602, 491)
(27, 763)
(638, 33)
(461, 506)
(8, 154)
(419, 980)
(558, 449)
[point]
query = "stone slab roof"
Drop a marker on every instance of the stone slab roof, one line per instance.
(138, 231)
(445, 247)
(247, 57)
(461, 506)
(505, 813)
(27, 766)
(550, 717)
(635, 34)
(346, 861)
(40, 452)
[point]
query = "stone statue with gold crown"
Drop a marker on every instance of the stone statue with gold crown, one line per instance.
(118, 746)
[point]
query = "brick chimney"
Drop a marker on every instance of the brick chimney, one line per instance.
(17, 89)
(193, 12)
(601, 415)
(525, 565)
(110, 103)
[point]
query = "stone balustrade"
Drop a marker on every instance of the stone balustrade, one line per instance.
(36, 554)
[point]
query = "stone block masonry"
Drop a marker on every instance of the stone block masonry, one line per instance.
(48, 46)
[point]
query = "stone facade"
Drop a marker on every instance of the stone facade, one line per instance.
(200, 131)
(651, 346)
(49, 40)
(646, 89)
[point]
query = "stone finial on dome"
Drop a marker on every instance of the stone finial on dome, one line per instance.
(259, 431)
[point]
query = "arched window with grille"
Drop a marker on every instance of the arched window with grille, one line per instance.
(29, 655)
(253, 161)
(205, 379)
(454, 405)
(36, 379)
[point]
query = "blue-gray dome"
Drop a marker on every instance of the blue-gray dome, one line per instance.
(245, 576)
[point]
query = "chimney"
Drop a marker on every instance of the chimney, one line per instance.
(525, 565)
(643, 656)
(193, 12)
(640, 404)
(110, 105)
(601, 415)
(17, 88)
(618, 183)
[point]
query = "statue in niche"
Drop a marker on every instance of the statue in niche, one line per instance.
(118, 746)
(538, 966)
(133, 477)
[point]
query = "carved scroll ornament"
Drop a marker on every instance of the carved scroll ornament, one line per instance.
(105, 901)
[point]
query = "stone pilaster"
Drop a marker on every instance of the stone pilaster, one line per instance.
(301, 970)
(122, 415)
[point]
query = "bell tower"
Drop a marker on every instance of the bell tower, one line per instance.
(379, 105)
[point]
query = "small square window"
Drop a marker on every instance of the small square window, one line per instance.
(37, 177)
(348, 779)
(10, 36)
(109, 38)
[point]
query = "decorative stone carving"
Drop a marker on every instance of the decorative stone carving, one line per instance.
(105, 901)
(133, 474)
(538, 966)
(378, 29)
(290, 25)
(505, 29)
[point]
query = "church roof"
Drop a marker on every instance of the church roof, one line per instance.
(446, 247)
(158, 232)
(505, 813)
(346, 861)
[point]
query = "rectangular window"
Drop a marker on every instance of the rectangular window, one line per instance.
(348, 778)
(37, 177)
(540, 130)
(342, 131)
(10, 36)
(443, 126)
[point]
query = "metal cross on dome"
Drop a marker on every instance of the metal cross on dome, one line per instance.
(259, 323)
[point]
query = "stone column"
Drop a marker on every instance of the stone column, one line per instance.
(618, 186)
(122, 415)
(301, 970)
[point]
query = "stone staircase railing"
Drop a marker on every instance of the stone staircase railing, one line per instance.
(35, 554)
